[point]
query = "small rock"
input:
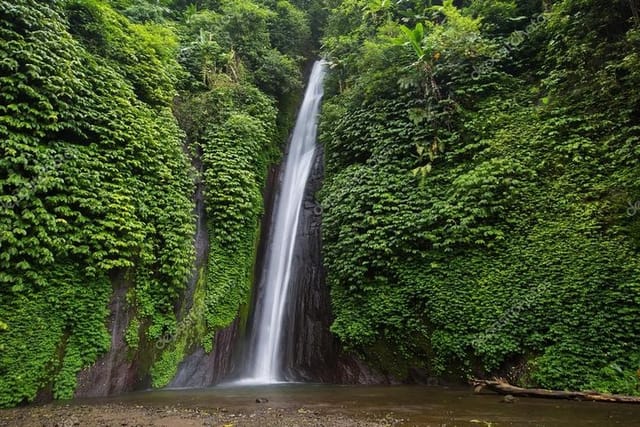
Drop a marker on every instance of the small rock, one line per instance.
(508, 399)
(262, 400)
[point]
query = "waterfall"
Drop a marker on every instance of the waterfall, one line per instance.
(264, 362)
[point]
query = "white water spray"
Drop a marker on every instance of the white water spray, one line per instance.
(266, 348)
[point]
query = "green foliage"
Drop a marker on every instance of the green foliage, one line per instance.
(237, 144)
(289, 29)
(415, 38)
(143, 53)
(498, 17)
(246, 35)
(234, 171)
(278, 74)
(142, 11)
(94, 186)
(479, 171)
(234, 130)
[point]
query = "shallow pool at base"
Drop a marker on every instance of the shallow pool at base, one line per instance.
(415, 405)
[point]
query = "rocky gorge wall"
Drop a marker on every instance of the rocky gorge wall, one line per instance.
(312, 353)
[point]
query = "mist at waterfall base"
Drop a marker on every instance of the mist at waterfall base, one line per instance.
(263, 364)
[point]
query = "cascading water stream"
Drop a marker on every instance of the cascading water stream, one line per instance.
(264, 365)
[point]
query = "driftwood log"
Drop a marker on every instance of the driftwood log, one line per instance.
(503, 387)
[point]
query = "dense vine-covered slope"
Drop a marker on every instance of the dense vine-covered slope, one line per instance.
(94, 183)
(96, 176)
(483, 178)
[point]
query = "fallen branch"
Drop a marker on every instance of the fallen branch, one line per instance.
(503, 387)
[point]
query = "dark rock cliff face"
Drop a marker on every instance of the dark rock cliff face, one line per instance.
(309, 348)
(311, 351)
(115, 372)
(200, 369)
(201, 237)
(121, 370)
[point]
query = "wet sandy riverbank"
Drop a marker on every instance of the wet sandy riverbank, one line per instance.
(123, 415)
